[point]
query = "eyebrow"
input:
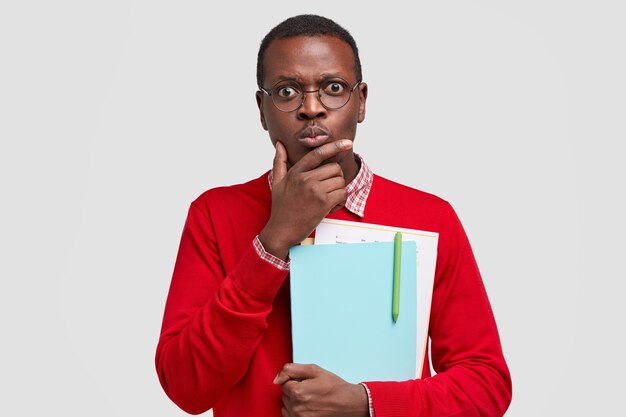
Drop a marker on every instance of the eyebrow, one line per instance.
(298, 79)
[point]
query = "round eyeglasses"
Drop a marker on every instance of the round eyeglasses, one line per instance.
(289, 96)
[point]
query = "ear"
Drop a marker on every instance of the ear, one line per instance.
(362, 99)
(259, 102)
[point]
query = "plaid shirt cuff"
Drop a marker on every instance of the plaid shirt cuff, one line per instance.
(268, 257)
(369, 400)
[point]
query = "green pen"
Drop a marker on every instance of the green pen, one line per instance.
(397, 253)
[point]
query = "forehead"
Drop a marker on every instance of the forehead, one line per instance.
(308, 58)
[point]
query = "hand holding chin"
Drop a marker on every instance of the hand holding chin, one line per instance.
(302, 195)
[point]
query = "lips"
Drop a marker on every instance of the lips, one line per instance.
(313, 136)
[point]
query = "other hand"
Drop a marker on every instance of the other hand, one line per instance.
(311, 391)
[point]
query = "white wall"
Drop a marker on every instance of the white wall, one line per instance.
(115, 115)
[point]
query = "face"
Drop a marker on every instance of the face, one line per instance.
(311, 62)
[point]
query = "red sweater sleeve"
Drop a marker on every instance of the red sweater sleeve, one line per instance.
(472, 377)
(212, 323)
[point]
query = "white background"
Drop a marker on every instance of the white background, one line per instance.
(115, 115)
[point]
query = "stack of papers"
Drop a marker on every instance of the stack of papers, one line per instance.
(341, 298)
(341, 310)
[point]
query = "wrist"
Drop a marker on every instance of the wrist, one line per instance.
(272, 245)
(361, 399)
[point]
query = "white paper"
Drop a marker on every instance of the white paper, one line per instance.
(332, 231)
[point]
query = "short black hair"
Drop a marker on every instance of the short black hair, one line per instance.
(306, 25)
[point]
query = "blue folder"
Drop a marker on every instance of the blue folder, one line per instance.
(341, 298)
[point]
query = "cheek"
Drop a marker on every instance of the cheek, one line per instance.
(280, 130)
(278, 126)
(347, 127)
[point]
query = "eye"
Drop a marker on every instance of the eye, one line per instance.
(334, 88)
(286, 91)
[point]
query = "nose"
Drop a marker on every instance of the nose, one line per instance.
(312, 107)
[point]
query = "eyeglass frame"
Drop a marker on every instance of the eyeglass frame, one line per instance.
(303, 94)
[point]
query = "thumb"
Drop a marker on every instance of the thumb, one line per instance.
(280, 163)
(296, 372)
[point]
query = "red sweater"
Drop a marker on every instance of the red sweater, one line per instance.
(227, 330)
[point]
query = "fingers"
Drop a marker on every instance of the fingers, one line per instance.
(297, 372)
(280, 163)
(337, 208)
(326, 171)
(337, 198)
(331, 193)
(332, 184)
(310, 387)
(318, 155)
(292, 395)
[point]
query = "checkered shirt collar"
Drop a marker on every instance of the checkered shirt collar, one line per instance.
(358, 189)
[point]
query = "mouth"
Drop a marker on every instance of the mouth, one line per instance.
(313, 136)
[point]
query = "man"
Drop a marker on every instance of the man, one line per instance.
(226, 337)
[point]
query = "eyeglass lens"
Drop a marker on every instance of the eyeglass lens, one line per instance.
(333, 94)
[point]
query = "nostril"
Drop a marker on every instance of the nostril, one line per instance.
(311, 107)
(307, 115)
